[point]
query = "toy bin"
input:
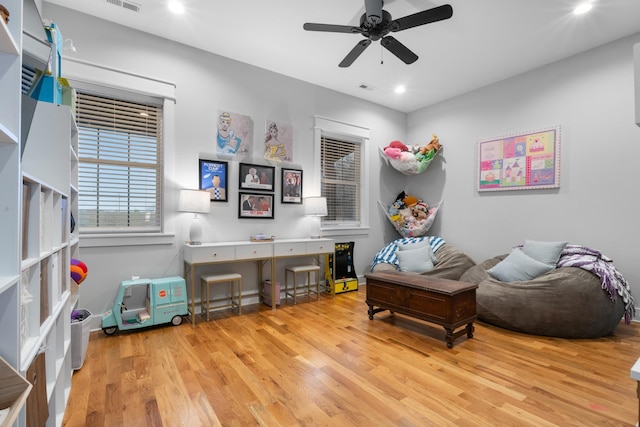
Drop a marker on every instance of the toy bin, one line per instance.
(266, 293)
(80, 330)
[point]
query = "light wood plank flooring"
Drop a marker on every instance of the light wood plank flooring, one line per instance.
(326, 364)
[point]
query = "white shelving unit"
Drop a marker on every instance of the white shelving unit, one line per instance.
(49, 190)
(38, 193)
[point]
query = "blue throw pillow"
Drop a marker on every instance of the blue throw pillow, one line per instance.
(545, 252)
(517, 267)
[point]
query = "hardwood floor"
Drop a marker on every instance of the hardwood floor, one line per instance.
(326, 363)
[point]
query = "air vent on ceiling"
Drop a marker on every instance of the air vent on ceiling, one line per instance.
(126, 5)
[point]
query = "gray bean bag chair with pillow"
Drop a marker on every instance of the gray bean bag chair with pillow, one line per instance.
(566, 302)
(452, 263)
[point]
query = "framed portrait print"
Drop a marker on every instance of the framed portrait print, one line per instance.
(291, 186)
(255, 205)
(256, 177)
(213, 178)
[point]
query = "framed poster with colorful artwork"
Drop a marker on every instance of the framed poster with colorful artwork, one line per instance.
(255, 205)
(291, 186)
(522, 161)
(278, 141)
(234, 135)
(213, 178)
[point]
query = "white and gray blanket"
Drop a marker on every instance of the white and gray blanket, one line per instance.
(602, 266)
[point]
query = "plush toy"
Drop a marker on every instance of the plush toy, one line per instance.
(395, 207)
(78, 270)
(410, 201)
(419, 214)
(398, 144)
(422, 206)
(434, 144)
(407, 217)
(4, 13)
(393, 152)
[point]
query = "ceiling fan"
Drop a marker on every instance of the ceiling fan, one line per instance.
(376, 23)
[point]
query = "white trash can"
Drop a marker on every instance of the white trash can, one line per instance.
(80, 330)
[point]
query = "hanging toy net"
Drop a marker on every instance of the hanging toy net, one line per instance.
(406, 220)
(410, 160)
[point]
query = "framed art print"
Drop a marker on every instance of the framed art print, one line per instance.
(255, 205)
(213, 178)
(256, 177)
(291, 186)
(521, 161)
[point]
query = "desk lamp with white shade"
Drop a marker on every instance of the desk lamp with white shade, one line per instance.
(315, 206)
(195, 201)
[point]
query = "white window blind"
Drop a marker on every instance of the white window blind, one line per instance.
(120, 165)
(340, 180)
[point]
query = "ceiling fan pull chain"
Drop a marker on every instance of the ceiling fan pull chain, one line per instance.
(381, 53)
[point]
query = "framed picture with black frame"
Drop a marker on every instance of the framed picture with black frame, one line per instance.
(291, 186)
(256, 177)
(255, 205)
(214, 178)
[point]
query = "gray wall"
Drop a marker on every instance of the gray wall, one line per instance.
(592, 97)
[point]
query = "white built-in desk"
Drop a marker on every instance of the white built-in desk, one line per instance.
(261, 252)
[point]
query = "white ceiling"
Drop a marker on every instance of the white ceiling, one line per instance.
(484, 42)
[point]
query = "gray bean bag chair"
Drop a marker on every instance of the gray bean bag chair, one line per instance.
(451, 264)
(566, 302)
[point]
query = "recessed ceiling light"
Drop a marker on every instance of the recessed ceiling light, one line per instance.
(400, 89)
(583, 8)
(176, 7)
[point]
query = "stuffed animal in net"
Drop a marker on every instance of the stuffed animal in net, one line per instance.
(414, 159)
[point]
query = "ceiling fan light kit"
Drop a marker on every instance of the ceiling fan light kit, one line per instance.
(376, 24)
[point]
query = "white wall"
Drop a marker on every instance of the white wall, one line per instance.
(592, 97)
(204, 84)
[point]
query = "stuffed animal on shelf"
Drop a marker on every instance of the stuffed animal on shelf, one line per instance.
(4, 12)
(78, 270)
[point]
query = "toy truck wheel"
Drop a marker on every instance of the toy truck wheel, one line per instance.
(110, 330)
(176, 320)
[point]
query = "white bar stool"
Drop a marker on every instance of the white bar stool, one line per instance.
(301, 269)
(206, 280)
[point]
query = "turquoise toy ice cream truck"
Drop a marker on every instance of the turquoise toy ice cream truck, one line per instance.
(145, 302)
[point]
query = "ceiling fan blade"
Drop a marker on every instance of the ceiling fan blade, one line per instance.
(436, 14)
(399, 50)
(355, 52)
(309, 26)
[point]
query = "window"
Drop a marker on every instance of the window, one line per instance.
(341, 149)
(340, 182)
(120, 164)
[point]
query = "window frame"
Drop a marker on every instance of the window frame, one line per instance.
(352, 133)
(85, 74)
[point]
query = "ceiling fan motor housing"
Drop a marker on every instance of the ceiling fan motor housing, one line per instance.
(373, 11)
(375, 32)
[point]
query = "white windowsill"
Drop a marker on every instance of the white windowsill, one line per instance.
(344, 231)
(135, 239)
